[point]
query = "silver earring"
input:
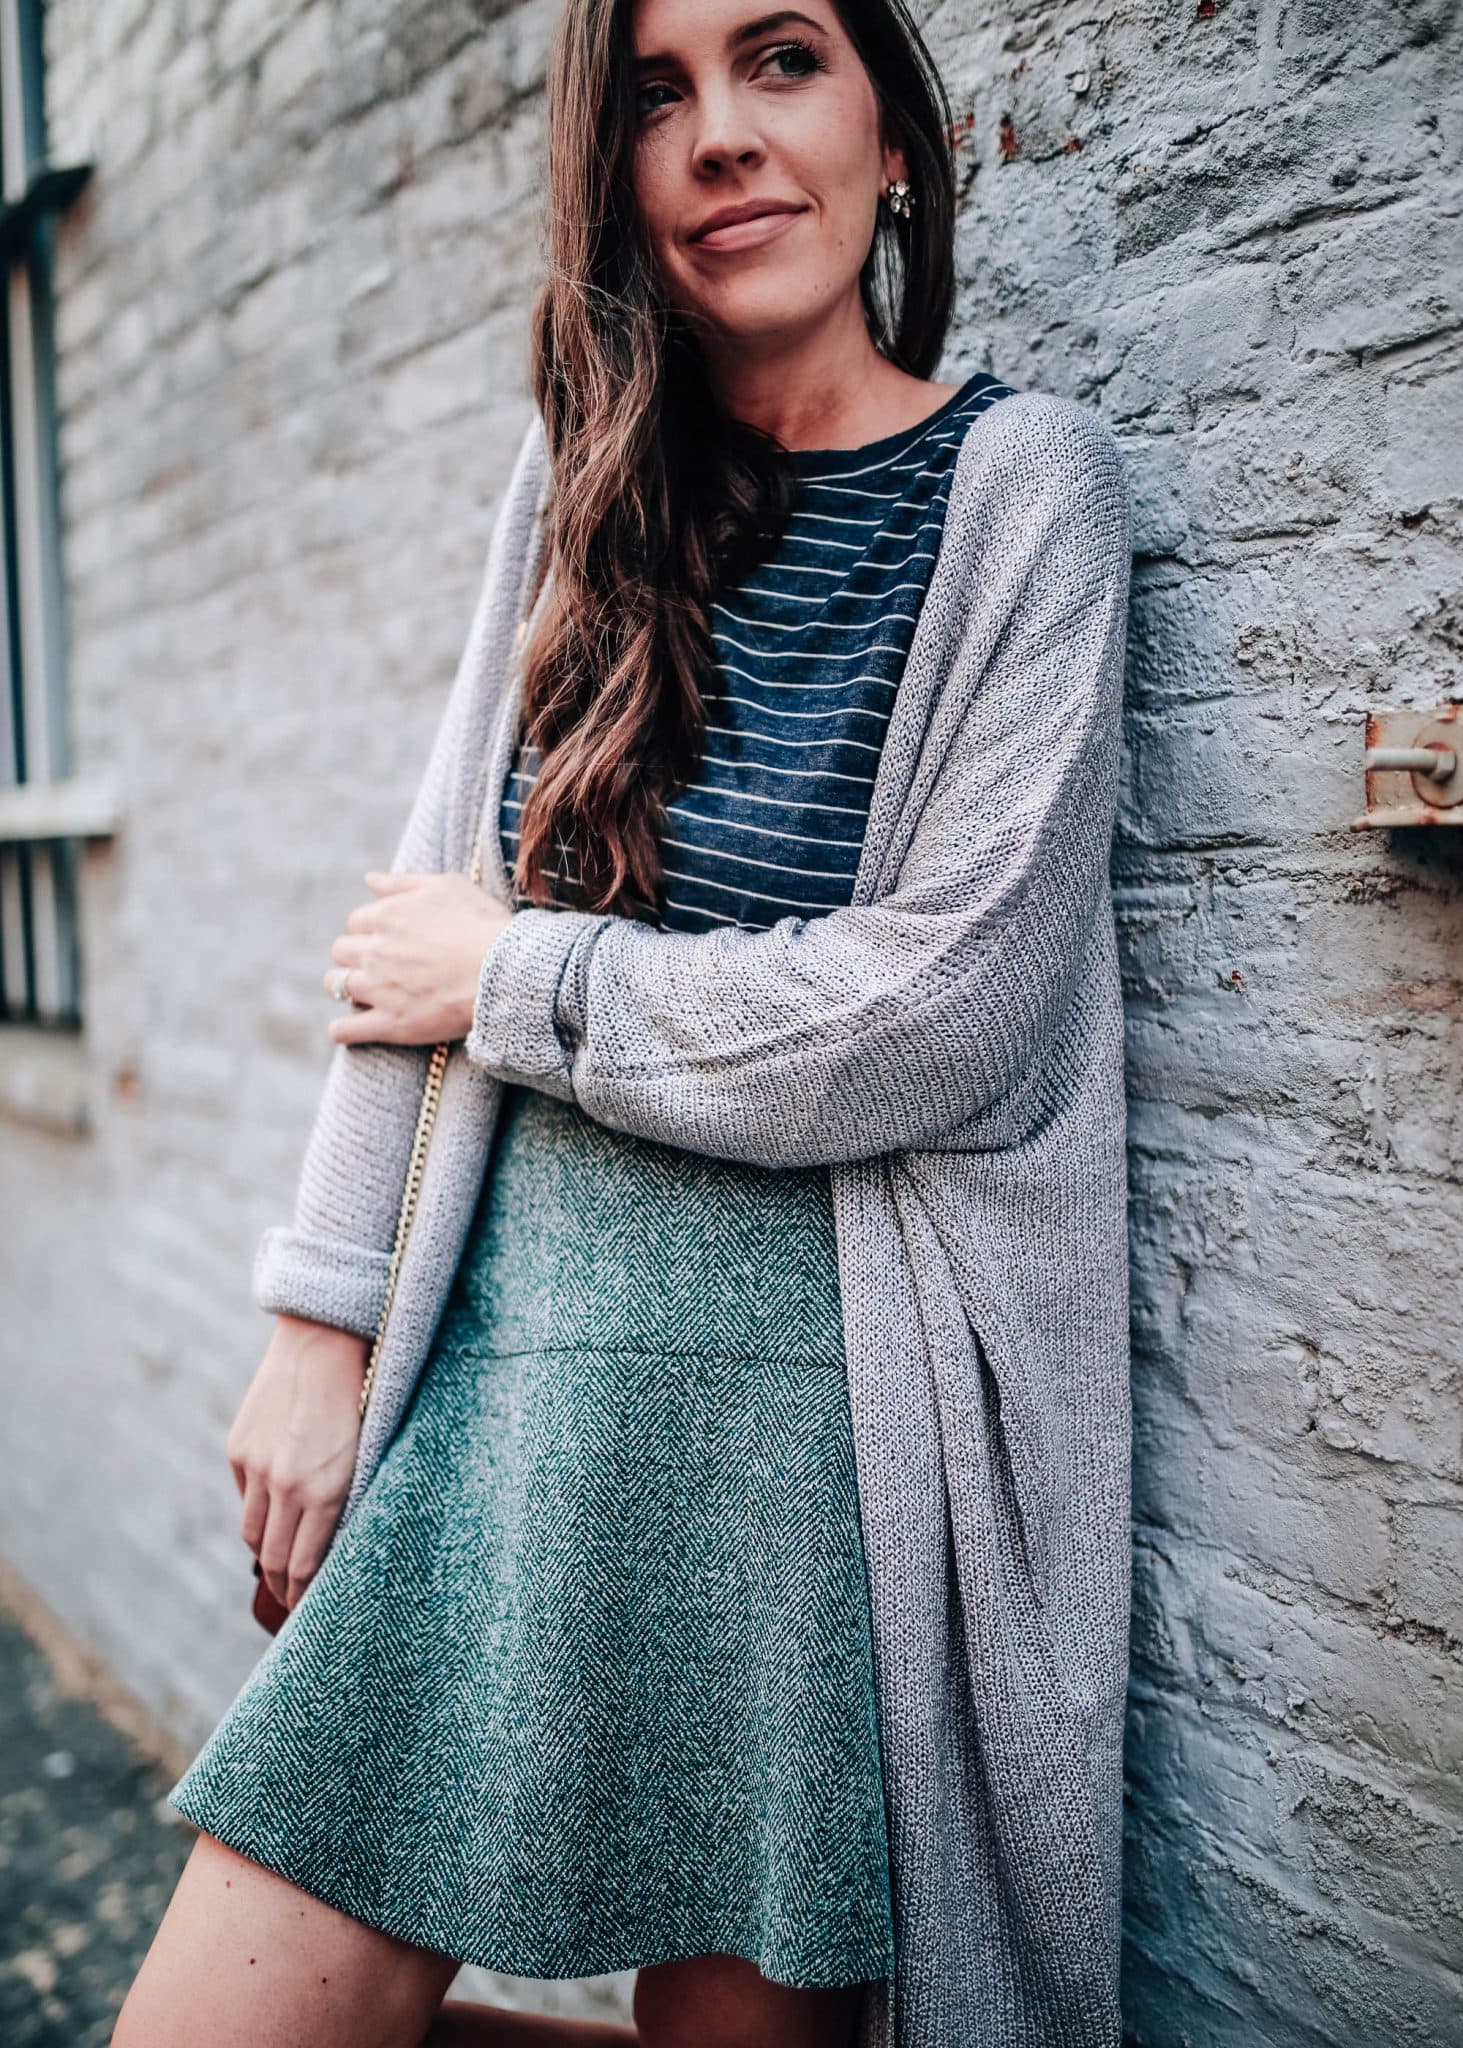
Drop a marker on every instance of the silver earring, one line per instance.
(900, 198)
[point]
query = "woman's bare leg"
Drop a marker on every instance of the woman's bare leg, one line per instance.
(726, 2002)
(461, 2024)
(700, 2002)
(244, 1959)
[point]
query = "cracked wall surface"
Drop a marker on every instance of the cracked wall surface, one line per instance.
(292, 327)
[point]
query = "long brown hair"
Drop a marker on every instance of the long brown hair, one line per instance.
(658, 495)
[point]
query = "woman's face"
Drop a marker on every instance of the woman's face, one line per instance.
(739, 101)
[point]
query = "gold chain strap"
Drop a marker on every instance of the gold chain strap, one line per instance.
(426, 1113)
(426, 1117)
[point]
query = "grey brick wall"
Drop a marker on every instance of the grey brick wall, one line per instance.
(1235, 232)
(292, 330)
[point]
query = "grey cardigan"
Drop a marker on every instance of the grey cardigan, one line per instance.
(951, 1045)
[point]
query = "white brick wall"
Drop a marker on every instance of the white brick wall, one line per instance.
(292, 324)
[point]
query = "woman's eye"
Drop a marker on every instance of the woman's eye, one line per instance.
(803, 55)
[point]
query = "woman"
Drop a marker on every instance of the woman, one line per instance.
(731, 1579)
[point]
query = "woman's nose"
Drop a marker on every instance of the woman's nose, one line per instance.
(723, 135)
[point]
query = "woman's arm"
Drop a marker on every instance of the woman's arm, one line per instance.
(882, 1026)
(330, 1265)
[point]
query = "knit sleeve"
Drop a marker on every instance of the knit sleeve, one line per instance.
(330, 1263)
(888, 1024)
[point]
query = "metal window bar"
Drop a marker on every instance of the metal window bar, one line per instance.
(40, 981)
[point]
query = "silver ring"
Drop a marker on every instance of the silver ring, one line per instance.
(341, 991)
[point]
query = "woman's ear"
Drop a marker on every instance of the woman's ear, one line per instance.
(894, 165)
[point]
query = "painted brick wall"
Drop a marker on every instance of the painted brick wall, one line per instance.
(292, 328)
(1234, 230)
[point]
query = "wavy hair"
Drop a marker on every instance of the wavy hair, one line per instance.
(658, 496)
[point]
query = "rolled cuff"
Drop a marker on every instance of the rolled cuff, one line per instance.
(321, 1278)
(528, 1012)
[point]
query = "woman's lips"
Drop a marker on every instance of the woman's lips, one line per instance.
(746, 234)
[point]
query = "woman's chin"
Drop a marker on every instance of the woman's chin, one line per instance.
(762, 310)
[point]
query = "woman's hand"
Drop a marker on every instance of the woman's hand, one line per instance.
(415, 957)
(292, 1448)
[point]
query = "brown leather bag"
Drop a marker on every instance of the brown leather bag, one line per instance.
(268, 1611)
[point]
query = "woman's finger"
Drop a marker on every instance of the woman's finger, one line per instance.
(350, 959)
(279, 1541)
(363, 1027)
(361, 962)
(256, 1510)
(312, 1540)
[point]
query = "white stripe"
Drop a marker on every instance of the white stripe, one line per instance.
(787, 596)
(747, 675)
(865, 556)
(878, 497)
(775, 711)
(764, 768)
(827, 597)
(807, 540)
(811, 653)
(677, 810)
(874, 529)
(747, 860)
(758, 895)
(698, 910)
(732, 732)
(796, 805)
(800, 569)
(801, 519)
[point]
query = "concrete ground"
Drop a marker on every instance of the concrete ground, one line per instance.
(89, 1851)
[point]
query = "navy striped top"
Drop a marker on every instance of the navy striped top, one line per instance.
(810, 648)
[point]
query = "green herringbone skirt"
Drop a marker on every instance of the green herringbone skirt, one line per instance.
(586, 1680)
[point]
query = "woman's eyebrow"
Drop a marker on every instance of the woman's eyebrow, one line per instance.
(783, 18)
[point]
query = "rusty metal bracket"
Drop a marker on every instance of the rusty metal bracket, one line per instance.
(1414, 768)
